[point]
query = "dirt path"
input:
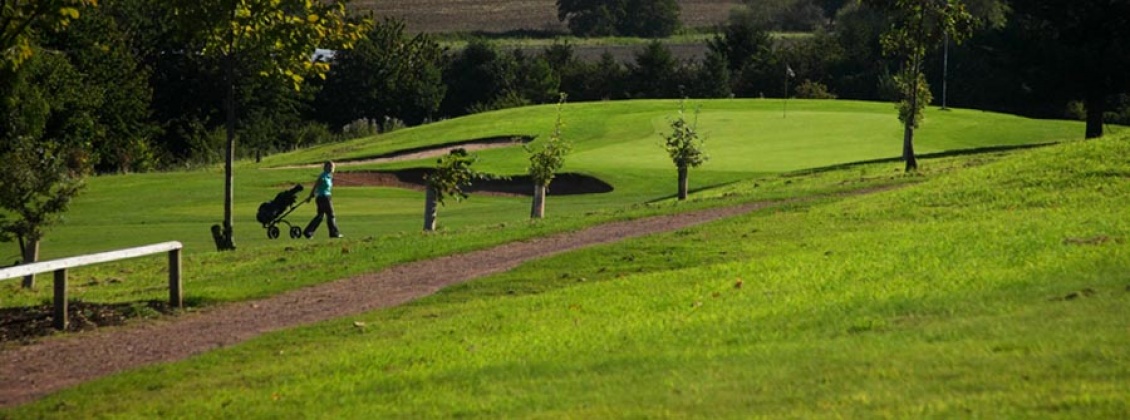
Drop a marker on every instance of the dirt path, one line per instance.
(35, 370)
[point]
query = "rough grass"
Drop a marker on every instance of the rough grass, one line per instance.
(993, 291)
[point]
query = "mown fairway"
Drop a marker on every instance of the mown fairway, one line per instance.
(615, 141)
(993, 291)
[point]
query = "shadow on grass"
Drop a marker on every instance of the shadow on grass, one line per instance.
(935, 155)
(522, 185)
(23, 325)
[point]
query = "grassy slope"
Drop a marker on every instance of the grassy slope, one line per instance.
(616, 141)
(997, 291)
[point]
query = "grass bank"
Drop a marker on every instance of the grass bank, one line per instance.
(992, 291)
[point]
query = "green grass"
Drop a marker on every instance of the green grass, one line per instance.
(615, 141)
(994, 290)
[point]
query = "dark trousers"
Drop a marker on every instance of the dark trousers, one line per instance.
(325, 210)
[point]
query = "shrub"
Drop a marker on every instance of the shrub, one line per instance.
(361, 127)
(813, 90)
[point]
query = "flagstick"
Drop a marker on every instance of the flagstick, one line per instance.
(785, 111)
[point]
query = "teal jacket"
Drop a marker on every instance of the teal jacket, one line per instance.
(323, 187)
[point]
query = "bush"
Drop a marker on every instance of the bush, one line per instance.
(307, 135)
(1075, 110)
(361, 127)
(813, 90)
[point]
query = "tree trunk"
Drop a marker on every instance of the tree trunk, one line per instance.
(683, 183)
(908, 147)
(430, 210)
(1096, 107)
(537, 211)
(228, 242)
(912, 119)
(31, 254)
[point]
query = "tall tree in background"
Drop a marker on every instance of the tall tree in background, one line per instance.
(100, 50)
(45, 148)
(475, 78)
(387, 74)
(918, 26)
(271, 38)
(1081, 48)
(36, 104)
(747, 47)
(653, 73)
(642, 18)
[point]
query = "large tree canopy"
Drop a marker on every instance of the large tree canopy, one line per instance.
(1081, 48)
(45, 148)
(643, 18)
(387, 74)
(19, 17)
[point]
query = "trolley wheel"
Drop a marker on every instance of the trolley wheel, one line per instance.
(295, 232)
(272, 232)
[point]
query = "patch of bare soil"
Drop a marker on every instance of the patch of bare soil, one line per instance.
(37, 369)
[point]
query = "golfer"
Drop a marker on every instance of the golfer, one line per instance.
(321, 193)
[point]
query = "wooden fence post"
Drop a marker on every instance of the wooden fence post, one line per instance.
(61, 299)
(176, 300)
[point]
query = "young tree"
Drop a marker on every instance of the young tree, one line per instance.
(270, 38)
(684, 146)
(545, 162)
(452, 174)
(45, 149)
(918, 26)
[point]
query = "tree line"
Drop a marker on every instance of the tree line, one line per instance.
(154, 102)
(112, 86)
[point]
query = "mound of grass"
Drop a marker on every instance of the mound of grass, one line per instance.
(994, 291)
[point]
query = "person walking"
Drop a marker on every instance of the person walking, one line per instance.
(322, 192)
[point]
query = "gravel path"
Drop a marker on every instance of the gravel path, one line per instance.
(35, 370)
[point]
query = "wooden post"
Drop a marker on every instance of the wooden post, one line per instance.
(430, 209)
(176, 299)
(61, 299)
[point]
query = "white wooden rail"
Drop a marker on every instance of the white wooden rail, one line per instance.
(61, 265)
